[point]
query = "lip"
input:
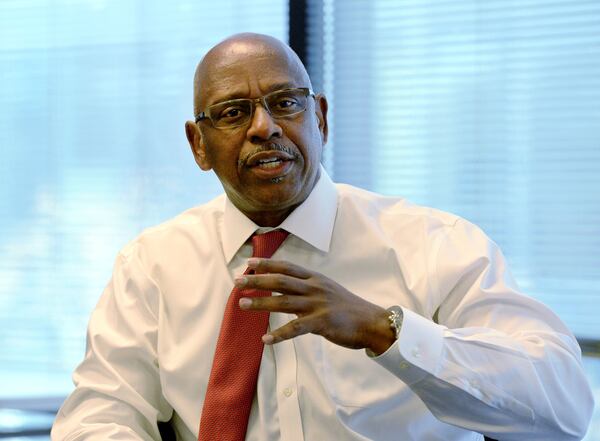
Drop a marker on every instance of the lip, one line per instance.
(270, 164)
(255, 159)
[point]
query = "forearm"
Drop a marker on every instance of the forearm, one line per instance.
(510, 387)
(88, 415)
(117, 396)
(117, 392)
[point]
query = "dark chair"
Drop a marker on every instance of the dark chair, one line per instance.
(166, 431)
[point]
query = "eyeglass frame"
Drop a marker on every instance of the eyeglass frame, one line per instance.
(253, 101)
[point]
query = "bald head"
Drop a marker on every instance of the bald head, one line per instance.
(270, 163)
(233, 52)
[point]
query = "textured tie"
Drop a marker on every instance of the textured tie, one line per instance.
(232, 382)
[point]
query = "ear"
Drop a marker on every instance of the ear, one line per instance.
(194, 137)
(321, 107)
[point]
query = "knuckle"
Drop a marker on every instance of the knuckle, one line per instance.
(287, 283)
(316, 285)
(285, 302)
(256, 302)
(258, 280)
(279, 280)
(297, 327)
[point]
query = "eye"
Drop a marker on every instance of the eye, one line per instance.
(232, 113)
(286, 102)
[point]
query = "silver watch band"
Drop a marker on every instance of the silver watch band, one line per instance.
(395, 319)
(396, 316)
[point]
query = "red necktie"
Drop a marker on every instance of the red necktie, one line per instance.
(232, 382)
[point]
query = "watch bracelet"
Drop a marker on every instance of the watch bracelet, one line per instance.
(395, 318)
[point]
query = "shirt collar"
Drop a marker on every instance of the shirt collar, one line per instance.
(312, 221)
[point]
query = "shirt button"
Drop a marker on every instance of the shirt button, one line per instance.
(416, 352)
(288, 391)
(404, 365)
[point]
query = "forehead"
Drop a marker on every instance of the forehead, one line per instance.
(247, 71)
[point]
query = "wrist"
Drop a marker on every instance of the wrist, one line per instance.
(385, 331)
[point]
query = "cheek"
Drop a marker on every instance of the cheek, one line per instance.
(308, 140)
(314, 150)
(223, 153)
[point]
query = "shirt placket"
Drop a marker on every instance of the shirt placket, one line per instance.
(287, 385)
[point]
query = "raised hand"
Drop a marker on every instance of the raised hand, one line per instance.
(322, 306)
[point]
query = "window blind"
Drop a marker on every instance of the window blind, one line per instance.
(490, 110)
(93, 98)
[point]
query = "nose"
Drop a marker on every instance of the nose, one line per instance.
(262, 127)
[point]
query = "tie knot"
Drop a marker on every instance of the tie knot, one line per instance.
(265, 245)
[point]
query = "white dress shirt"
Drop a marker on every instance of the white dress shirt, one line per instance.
(498, 362)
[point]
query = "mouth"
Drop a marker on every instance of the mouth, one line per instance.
(270, 164)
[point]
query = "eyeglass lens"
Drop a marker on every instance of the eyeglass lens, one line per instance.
(279, 104)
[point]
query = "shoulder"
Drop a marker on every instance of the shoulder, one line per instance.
(402, 224)
(194, 227)
(392, 212)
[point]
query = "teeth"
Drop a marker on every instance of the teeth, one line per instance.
(269, 163)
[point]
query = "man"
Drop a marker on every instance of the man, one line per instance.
(452, 349)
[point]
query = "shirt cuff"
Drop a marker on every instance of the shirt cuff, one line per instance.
(418, 350)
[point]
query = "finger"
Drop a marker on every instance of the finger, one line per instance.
(287, 304)
(290, 330)
(273, 282)
(261, 266)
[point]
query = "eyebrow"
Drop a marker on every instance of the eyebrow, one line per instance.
(236, 95)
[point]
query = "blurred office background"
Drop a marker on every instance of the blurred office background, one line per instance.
(489, 109)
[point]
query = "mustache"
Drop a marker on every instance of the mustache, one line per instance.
(268, 147)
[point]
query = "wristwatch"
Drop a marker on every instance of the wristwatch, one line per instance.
(395, 318)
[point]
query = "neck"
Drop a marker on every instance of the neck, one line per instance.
(269, 218)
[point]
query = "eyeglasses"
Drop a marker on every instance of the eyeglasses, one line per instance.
(235, 113)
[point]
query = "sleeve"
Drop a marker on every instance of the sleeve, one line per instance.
(117, 392)
(499, 363)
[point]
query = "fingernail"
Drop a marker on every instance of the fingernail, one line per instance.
(267, 339)
(241, 280)
(253, 262)
(245, 302)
